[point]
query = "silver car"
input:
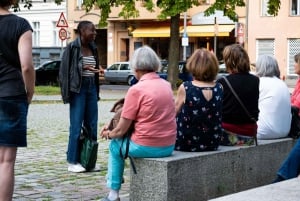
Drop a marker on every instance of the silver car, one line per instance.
(118, 72)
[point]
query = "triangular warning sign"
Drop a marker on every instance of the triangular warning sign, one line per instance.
(62, 22)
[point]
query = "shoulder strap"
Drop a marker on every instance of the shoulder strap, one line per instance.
(238, 99)
(241, 103)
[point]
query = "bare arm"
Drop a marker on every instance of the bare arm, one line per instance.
(25, 54)
(119, 131)
(180, 98)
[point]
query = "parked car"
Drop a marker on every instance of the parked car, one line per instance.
(183, 74)
(47, 73)
(222, 71)
(118, 72)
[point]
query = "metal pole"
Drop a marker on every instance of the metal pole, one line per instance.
(215, 37)
(184, 35)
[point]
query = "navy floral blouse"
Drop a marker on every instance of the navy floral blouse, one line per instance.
(199, 122)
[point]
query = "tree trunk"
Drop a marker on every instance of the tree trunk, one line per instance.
(173, 57)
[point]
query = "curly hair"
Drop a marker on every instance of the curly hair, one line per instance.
(6, 3)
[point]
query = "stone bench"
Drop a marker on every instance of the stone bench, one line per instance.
(197, 176)
(288, 190)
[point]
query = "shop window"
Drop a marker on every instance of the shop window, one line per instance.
(295, 7)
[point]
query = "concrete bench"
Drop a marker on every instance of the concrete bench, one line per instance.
(288, 190)
(187, 176)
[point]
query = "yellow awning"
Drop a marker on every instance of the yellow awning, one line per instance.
(192, 31)
(151, 32)
(208, 30)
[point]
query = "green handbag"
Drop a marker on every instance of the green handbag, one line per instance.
(89, 150)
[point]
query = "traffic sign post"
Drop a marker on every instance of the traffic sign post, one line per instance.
(62, 22)
(63, 34)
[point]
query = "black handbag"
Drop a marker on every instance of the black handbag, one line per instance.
(295, 123)
(88, 150)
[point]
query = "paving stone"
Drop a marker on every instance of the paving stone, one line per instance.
(41, 168)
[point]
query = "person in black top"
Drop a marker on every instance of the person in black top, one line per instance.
(17, 79)
(239, 125)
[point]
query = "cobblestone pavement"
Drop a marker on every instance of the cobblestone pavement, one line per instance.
(41, 168)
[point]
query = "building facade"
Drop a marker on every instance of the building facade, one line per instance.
(43, 17)
(277, 36)
(121, 37)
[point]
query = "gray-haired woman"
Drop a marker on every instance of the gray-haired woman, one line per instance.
(274, 104)
(149, 105)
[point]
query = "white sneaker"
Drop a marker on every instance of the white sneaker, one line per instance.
(76, 168)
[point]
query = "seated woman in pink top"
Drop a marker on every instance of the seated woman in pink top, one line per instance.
(150, 105)
(295, 98)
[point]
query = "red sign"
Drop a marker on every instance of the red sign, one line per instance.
(63, 34)
(62, 22)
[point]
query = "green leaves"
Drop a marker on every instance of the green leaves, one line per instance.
(227, 6)
(273, 7)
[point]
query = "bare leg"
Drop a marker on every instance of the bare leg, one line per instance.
(7, 175)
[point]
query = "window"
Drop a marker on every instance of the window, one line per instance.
(36, 34)
(264, 8)
(79, 4)
(55, 36)
(36, 59)
(293, 49)
(265, 47)
(295, 7)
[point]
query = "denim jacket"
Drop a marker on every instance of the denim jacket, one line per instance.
(71, 69)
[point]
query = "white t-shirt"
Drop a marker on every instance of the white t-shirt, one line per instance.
(274, 109)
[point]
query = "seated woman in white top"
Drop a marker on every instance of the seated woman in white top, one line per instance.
(274, 100)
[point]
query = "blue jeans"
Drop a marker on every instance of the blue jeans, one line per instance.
(116, 162)
(290, 168)
(13, 121)
(83, 111)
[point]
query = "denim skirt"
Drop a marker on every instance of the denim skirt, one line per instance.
(13, 121)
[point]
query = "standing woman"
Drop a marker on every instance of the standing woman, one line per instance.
(79, 81)
(17, 78)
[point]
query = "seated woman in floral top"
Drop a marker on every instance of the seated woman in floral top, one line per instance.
(199, 105)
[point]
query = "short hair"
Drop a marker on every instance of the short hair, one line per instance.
(297, 58)
(145, 59)
(236, 59)
(82, 25)
(203, 65)
(5, 3)
(267, 66)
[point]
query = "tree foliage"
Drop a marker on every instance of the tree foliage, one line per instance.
(228, 7)
(28, 4)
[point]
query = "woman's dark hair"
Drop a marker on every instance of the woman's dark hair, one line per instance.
(236, 59)
(82, 25)
(297, 58)
(5, 3)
